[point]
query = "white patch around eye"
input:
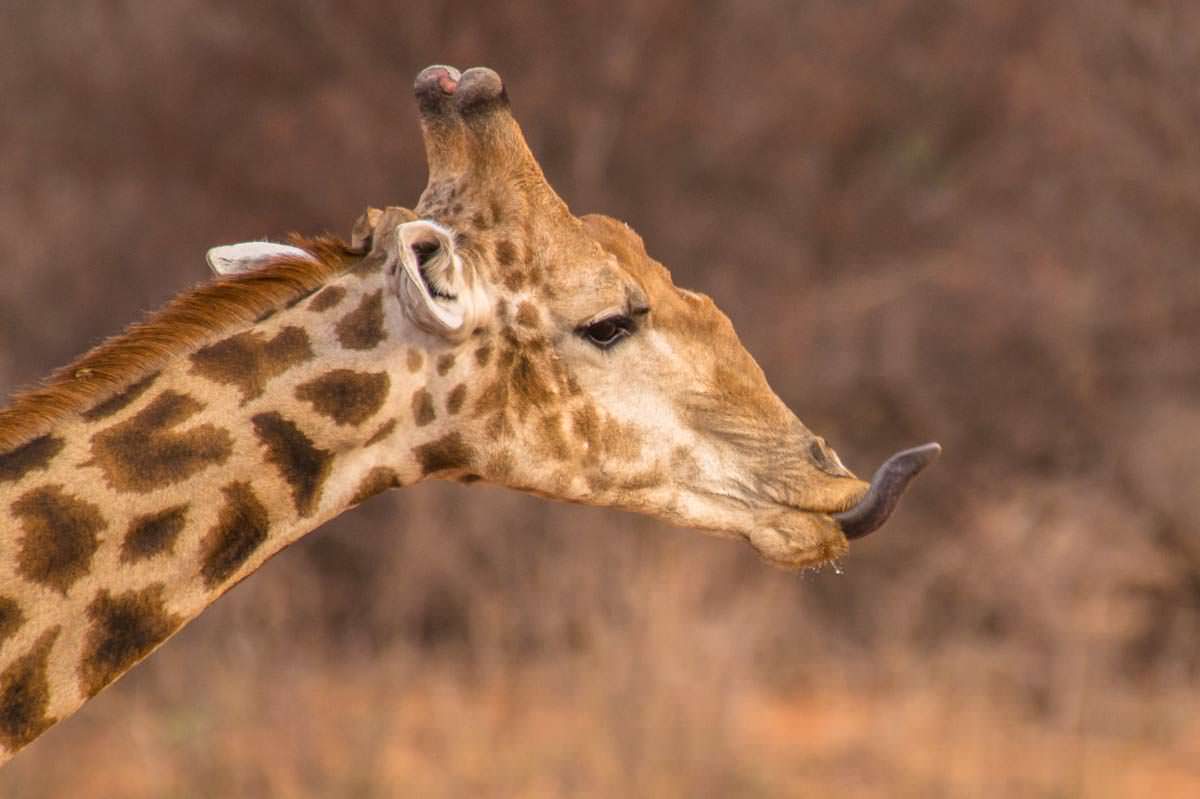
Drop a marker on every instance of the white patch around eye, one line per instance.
(236, 259)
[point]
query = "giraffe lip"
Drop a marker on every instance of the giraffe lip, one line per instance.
(887, 486)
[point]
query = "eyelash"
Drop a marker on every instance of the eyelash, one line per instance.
(606, 333)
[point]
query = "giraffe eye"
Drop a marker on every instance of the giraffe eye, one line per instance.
(606, 332)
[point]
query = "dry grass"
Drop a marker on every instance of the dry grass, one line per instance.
(970, 221)
(377, 728)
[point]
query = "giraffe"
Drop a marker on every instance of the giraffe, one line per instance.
(486, 334)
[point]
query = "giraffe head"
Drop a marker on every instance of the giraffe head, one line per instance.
(570, 366)
(594, 378)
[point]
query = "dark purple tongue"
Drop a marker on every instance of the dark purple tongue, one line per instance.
(887, 485)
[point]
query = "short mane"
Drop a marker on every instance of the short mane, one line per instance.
(187, 321)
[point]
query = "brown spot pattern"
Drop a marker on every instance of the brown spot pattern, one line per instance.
(550, 434)
(513, 279)
(153, 533)
(383, 432)
(444, 454)
(249, 360)
(457, 397)
(378, 480)
(303, 466)
(125, 628)
(586, 425)
(622, 440)
(422, 407)
(529, 387)
(607, 437)
(362, 328)
(414, 359)
(649, 478)
(483, 355)
(520, 384)
(120, 400)
(493, 400)
(60, 536)
(11, 618)
(143, 452)
(241, 528)
(36, 454)
(329, 297)
(445, 363)
(346, 396)
(528, 315)
(506, 253)
(25, 694)
(499, 426)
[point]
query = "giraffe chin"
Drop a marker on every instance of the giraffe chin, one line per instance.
(795, 539)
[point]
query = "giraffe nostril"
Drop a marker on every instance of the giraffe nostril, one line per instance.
(826, 461)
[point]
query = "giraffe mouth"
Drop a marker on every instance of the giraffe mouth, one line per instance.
(887, 486)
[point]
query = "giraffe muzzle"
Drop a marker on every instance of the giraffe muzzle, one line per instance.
(887, 486)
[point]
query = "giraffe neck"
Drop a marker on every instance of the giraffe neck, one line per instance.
(124, 521)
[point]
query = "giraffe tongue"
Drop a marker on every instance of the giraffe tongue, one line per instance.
(887, 486)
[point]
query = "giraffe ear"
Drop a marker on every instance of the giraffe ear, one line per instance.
(236, 259)
(440, 293)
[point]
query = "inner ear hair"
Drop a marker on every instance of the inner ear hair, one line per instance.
(425, 250)
(432, 248)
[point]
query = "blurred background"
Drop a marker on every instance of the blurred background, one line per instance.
(976, 221)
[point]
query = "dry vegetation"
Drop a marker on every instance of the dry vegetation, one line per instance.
(954, 219)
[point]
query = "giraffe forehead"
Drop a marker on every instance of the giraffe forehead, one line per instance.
(580, 293)
(524, 245)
